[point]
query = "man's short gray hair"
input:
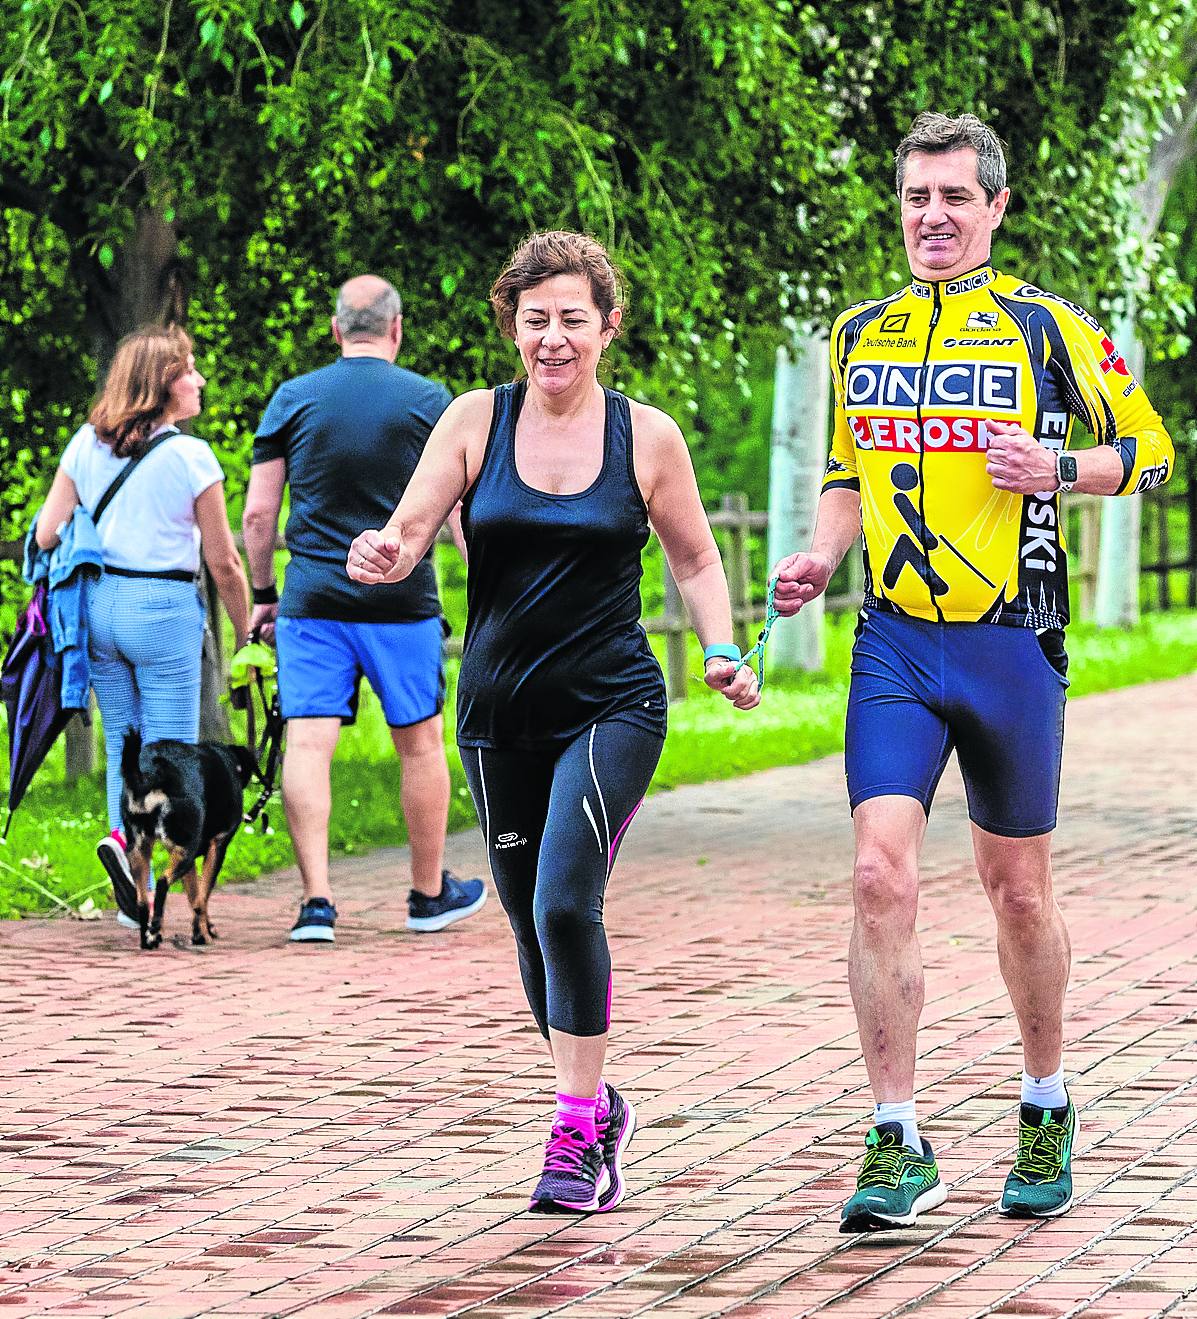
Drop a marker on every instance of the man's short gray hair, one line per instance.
(369, 320)
(939, 133)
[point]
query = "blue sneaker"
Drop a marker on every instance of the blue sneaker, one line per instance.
(317, 917)
(457, 899)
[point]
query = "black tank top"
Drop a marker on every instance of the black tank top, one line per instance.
(553, 642)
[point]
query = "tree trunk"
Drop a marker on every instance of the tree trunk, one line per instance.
(81, 744)
(144, 286)
(214, 718)
(797, 458)
(1117, 594)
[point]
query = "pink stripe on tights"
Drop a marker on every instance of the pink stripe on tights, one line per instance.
(623, 828)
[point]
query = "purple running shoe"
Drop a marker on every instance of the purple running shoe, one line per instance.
(615, 1132)
(574, 1177)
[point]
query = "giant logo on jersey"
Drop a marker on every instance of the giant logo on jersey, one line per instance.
(908, 387)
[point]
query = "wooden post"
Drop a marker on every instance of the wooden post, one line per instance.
(1163, 555)
(81, 744)
(675, 636)
(797, 457)
(1191, 508)
(856, 575)
(1090, 542)
(1117, 596)
(214, 718)
(739, 570)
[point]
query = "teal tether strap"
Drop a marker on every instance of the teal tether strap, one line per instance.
(771, 617)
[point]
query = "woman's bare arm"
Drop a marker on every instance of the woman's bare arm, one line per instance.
(60, 504)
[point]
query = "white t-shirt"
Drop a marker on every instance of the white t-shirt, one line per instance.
(150, 523)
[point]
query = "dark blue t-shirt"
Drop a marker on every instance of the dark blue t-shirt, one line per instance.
(351, 434)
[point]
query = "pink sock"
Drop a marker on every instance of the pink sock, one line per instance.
(579, 1113)
(602, 1103)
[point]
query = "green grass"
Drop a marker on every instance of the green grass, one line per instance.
(48, 862)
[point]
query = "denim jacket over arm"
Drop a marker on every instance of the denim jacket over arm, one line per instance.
(69, 570)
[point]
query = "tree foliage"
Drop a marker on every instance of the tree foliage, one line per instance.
(230, 161)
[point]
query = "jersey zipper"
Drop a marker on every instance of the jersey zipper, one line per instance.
(936, 308)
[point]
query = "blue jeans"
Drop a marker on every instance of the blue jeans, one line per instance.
(145, 641)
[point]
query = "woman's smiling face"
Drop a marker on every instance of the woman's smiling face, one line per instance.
(560, 332)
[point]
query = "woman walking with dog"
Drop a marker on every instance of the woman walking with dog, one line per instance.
(561, 703)
(145, 617)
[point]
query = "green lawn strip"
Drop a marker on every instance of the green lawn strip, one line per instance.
(49, 857)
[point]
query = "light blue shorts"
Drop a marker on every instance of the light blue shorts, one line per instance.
(321, 662)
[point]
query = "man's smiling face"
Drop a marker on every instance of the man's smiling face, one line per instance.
(947, 220)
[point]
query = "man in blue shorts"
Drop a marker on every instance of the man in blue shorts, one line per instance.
(955, 399)
(347, 439)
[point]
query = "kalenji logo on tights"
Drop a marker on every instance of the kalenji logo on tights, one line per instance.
(505, 841)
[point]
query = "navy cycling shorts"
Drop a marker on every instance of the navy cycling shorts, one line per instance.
(920, 689)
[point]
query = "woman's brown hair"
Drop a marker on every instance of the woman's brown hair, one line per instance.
(137, 388)
(556, 252)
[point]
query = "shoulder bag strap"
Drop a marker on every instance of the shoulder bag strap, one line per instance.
(127, 471)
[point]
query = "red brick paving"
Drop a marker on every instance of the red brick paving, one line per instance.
(260, 1129)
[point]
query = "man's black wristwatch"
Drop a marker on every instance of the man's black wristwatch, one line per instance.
(1065, 473)
(268, 595)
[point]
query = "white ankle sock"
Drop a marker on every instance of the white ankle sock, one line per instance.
(1045, 1091)
(903, 1113)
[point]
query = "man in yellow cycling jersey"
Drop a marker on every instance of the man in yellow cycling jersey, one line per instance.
(955, 401)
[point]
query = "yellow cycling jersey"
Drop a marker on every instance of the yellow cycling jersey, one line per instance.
(916, 376)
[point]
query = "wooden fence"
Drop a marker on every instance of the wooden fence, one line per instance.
(1174, 554)
(735, 524)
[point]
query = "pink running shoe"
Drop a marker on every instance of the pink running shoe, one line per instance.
(615, 1132)
(575, 1176)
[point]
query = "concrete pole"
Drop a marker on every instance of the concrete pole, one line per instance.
(798, 456)
(1117, 597)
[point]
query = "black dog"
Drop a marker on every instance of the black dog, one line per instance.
(189, 797)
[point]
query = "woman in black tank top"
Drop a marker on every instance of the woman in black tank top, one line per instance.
(561, 703)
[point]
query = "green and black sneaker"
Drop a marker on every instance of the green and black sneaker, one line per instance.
(1040, 1183)
(895, 1184)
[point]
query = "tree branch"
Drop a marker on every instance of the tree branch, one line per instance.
(1170, 151)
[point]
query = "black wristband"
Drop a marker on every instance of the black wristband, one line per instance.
(266, 595)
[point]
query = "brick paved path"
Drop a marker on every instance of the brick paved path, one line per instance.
(262, 1129)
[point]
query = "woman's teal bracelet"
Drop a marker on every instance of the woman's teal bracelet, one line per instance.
(727, 652)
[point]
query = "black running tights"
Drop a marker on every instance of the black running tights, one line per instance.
(553, 822)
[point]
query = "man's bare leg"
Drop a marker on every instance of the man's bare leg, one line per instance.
(307, 798)
(885, 965)
(1034, 955)
(1034, 952)
(425, 799)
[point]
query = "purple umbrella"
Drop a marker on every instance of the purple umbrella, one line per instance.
(30, 686)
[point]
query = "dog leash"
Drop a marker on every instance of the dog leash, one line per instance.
(771, 617)
(247, 671)
(270, 747)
